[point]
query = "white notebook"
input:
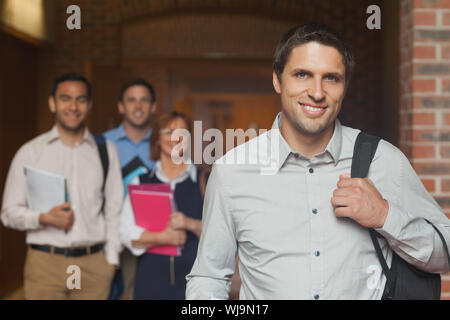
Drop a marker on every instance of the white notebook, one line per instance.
(45, 190)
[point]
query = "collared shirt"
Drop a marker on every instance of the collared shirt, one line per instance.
(128, 149)
(275, 212)
(129, 231)
(81, 165)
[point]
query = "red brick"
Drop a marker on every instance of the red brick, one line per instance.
(430, 185)
(424, 18)
(446, 118)
(431, 103)
(424, 85)
(424, 52)
(445, 52)
(445, 286)
(438, 4)
(446, 19)
(432, 68)
(423, 152)
(423, 118)
(430, 135)
(445, 152)
(446, 85)
(432, 168)
(445, 186)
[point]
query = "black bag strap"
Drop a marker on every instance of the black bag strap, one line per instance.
(103, 152)
(443, 241)
(364, 150)
(363, 153)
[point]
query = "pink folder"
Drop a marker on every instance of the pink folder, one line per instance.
(152, 210)
(160, 187)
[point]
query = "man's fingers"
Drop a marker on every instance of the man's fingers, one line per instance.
(344, 183)
(65, 205)
(341, 201)
(343, 211)
(344, 192)
(69, 214)
(352, 182)
(345, 176)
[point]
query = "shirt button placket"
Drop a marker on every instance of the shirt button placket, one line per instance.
(316, 234)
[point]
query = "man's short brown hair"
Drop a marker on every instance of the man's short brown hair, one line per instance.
(312, 32)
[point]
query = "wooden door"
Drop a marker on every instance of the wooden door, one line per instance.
(18, 114)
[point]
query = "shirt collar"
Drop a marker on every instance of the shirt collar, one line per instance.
(277, 143)
(334, 146)
(191, 171)
(121, 134)
(54, 135)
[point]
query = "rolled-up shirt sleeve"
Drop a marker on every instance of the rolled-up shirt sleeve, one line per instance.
(210, 277)
(113, 206)
(129, 231)
(405, 228)
(15, 212)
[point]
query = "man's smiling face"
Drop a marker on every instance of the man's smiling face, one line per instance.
(70, 105)
(312, 88)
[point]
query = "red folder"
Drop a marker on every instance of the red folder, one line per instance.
(152, 206)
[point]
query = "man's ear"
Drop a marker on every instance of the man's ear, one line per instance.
(276, 82)
(153, 107)
(52, 104)
(120, 107)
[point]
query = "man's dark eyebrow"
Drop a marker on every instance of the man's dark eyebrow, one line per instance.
(335, 74)
(300, 70)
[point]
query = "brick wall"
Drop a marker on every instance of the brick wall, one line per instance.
(98, 41)
(425, 96)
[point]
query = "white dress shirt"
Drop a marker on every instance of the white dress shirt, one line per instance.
(282, 224)
(82, 167)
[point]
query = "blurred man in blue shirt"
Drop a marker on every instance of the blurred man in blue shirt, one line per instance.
(137, 103)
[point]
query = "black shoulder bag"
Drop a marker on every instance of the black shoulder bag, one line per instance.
(404, 281)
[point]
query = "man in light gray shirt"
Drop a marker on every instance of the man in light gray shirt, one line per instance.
(285, 203)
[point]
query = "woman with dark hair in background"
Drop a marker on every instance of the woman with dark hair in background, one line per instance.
(161, 276)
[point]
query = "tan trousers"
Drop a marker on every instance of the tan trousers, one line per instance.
(50, 276)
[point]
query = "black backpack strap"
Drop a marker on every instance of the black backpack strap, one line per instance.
(103, 152)
(363, 152)
(443, 241)
(365, 147)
